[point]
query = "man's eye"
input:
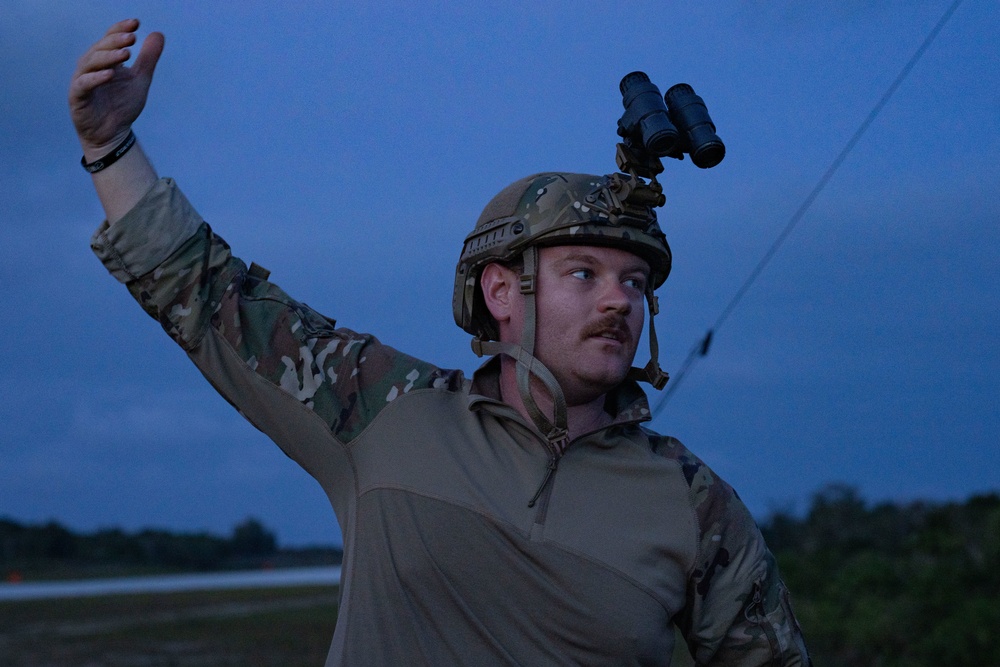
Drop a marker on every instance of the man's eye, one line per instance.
(636, 283)
(582, 274)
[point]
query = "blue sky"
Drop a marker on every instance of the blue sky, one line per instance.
(349, 148)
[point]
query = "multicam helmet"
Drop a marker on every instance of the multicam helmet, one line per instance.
(553, 209)
(557, 209)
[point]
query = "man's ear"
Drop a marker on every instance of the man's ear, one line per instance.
(499, 285)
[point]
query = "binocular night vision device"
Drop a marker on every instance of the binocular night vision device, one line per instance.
(669, 126)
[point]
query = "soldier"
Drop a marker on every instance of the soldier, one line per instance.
(523, 516)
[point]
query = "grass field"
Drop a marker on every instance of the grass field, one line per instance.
(275, 626)
(285, 627)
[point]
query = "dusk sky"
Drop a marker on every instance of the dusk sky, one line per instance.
(349, 147)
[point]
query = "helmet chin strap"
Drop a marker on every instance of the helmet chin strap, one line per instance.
(556, 430)
(651, 372)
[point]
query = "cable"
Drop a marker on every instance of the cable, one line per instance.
(700, 349)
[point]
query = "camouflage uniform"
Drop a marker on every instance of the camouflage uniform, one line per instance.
(430, 475)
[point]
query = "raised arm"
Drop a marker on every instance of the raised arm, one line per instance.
(105, 98)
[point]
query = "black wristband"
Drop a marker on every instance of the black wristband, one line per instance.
(111, 157)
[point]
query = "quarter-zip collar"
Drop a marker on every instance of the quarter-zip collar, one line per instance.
(626, 403)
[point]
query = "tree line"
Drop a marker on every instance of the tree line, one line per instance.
(50, 549)
(893, 584)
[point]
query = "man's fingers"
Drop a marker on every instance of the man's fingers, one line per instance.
(127, 25)
(119, 36)
(111, 46)
(116, 41)
(111, 51)
(94, 61)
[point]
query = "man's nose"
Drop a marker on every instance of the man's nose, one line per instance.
(615, 297)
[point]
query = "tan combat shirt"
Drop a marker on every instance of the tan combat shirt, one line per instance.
(430, 476)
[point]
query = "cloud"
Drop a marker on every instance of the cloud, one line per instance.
(146, 415)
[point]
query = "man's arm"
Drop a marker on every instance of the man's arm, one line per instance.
(765, 631)
(105, 98)
(738, 611)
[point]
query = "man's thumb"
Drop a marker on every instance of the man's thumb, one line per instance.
(149, 54)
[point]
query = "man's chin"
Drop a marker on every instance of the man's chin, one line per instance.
(590, 386)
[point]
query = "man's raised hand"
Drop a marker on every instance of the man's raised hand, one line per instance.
(105, 97)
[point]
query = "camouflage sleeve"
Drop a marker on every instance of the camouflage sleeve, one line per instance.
(274, 358)
(737, 611)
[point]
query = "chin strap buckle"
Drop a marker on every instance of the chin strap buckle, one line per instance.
(658, 378)
(559, 440)
(651, 373)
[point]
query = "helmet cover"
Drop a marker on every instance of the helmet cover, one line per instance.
(550, 209)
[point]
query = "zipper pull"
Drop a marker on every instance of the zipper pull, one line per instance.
(558, 441)
(550, 470)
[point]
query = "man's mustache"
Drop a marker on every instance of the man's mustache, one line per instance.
(614, 326)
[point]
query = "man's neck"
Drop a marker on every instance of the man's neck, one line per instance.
(581, 418)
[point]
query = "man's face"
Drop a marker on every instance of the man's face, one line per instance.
(590, 311)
